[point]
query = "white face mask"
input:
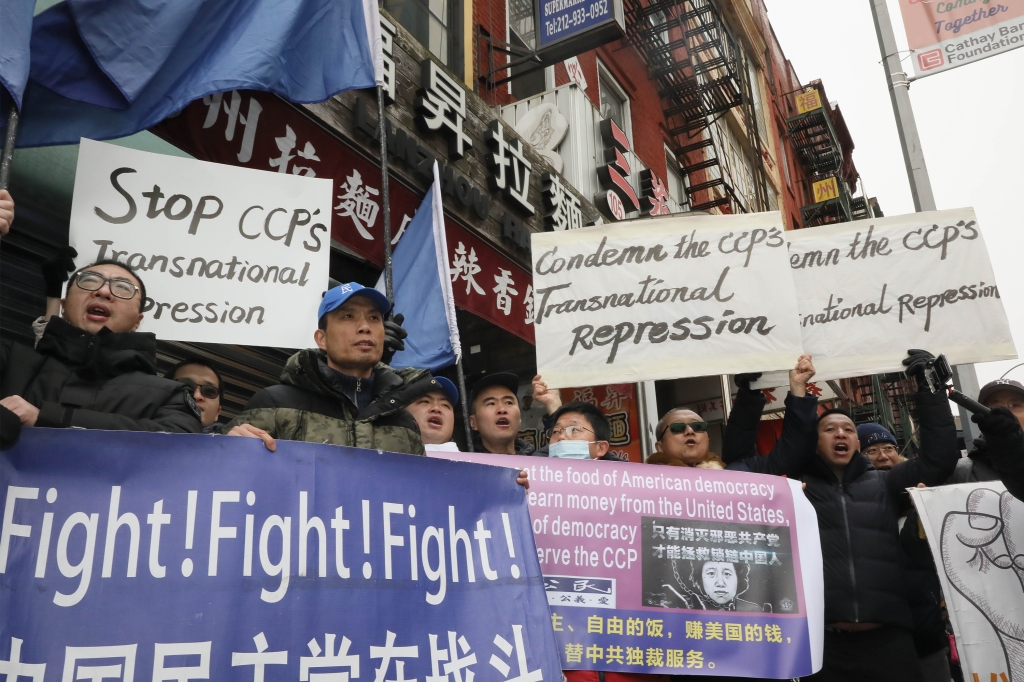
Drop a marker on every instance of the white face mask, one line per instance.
(570, 449)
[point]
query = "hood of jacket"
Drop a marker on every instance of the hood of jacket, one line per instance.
(391, 387)
(98, 356)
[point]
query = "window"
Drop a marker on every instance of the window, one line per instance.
(614, 102)
(429, 22)
(676, 186)
(660, 19)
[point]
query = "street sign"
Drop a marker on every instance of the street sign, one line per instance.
(566, 28)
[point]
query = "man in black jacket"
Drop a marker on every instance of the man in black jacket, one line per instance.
(91, 368)
(999, 454)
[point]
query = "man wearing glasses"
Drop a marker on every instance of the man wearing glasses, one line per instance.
(581, 431)
(204, 383)
(91, 369)
(879, 445)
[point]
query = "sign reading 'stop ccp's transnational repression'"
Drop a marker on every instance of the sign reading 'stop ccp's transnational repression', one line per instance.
(871, 289)
(675, 570)
(661, 299)
(225, 252)
(139, 556)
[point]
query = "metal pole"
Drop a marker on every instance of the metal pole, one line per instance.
(726, 397)
(965, 378)
(465, 404)
(389, 288)
(8, 153)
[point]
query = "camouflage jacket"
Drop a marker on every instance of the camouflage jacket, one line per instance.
(305, 407)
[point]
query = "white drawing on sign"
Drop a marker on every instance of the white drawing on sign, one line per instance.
(575, 71)
(544, 127)
(356, 202)
(343, 659)
(987, 536)
(286, 144)
(504, 290)
(456, 665)
(528, 302)
(525, 674)
(98, 673)
(465, 266)
(390, 651)
(14, 667)
(401, 228)
(259, 660)
(233, 110)
(613, 399)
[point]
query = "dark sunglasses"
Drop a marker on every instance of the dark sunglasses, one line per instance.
(680, 427)
(209, 391)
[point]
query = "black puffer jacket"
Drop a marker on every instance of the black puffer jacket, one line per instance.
(995, 459)
(103, 381)
(858, 516)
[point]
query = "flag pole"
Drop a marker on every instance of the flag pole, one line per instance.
(465, 404)
(8, 153)
(389, 288)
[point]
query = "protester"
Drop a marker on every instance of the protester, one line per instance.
(495, 416)
(341, 393)
(999, 454)
(205, 383)
(91, 368)
(879, 445)
(580, 431)
(434, 412)
(6, 212)
(799, 436)
(55, 273)
(683, 441)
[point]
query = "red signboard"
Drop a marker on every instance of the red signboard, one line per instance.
(259, 130)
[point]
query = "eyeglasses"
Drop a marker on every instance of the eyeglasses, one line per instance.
(881, 450)
(680, 427)
(208, 391)
(570, 431)
(94, 281)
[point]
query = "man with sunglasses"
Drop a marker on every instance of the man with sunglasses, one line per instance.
(682, 440)
(91, 368)
(204, 383)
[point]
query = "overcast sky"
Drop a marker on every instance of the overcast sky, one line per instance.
(971, 121)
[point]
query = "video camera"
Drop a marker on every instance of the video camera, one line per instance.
(939, 376)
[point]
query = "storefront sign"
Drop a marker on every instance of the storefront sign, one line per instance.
(142, 556)
(484, 281)
(664, 299)
(227, 254)
(617, 197)
(808, 100)
(673, 570)
(825, 189)
(567, 28)
(945, 35)
(869, 290)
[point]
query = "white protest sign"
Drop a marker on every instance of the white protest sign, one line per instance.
(663, 299)
(227, 254)
(870, 290)
(974, 531)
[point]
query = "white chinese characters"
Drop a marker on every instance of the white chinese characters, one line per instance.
(510, 170)
(441, 105)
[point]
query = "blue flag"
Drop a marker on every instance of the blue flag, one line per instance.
(15, 31)
(423, 290)
(108, 68)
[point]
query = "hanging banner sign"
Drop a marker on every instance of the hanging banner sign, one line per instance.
(128, 556)
(974, 531)
(663, 299)
(870, 290)
(945, 35)
(673, 570)
(227, 255)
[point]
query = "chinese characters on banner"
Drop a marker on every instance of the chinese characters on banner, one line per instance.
(673, 570)
(314, 563)
(259, 130)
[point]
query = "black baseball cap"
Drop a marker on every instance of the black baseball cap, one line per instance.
(506, 379)
(1000, 385)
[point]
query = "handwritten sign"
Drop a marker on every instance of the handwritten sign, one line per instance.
(872, 289)
(227, 254)
(663, 299)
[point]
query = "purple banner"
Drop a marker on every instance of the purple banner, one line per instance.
(675, 570)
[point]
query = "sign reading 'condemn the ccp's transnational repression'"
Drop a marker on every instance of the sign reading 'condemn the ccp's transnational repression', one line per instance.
(666, 298)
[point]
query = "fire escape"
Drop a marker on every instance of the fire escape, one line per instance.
(817, 143)
(701, 75)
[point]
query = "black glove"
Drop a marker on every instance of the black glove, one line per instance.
(57, 269)
(394, 336)
(999, 423)
(917, 363)
(743, 381)
(10, 428)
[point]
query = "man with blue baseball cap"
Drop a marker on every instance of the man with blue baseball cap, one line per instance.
(341, 393)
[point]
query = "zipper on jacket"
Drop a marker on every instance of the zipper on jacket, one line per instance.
(849, 544)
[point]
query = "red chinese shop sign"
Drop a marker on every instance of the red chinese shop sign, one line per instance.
(259, 130)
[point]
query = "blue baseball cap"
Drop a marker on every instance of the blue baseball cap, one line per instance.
(341, 293)
(871, 433)
(449, 390)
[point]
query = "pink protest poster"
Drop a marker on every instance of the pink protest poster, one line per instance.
(674, 570)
